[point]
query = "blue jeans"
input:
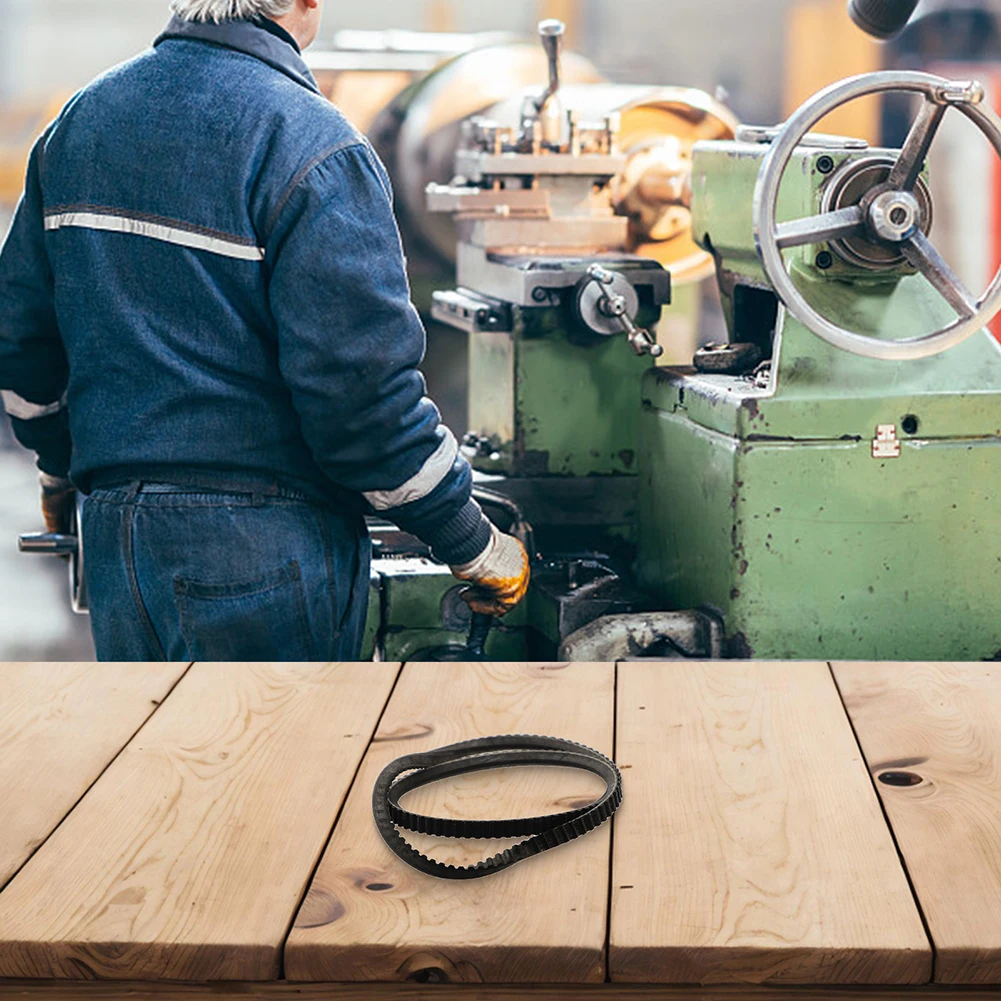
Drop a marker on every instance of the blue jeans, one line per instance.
(182, 573)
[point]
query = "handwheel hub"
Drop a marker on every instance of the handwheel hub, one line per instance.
(857, 184)
(893, 216)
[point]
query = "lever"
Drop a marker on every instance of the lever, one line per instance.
(551, 32)
(614, 306)
(479, 632)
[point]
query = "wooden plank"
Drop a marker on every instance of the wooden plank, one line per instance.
(941, 725)
(368, 916)
(187, 860)
(284, 991)
(64, 723)
(751, 846)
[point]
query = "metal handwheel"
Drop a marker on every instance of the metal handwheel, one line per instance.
(889, 214)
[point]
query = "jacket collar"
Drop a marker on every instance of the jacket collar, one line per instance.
(273, 46)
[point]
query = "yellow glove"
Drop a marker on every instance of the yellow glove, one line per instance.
(500, 576)
(58, 501)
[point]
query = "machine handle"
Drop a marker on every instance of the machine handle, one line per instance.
(551, 32)
(614, 306)
(479, 632)
(882, 19)
(48, 544)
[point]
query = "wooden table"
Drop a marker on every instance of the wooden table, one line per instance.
(789, 831)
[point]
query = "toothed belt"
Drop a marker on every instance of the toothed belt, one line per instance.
(542, 833)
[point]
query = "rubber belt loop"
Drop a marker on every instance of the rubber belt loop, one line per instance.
(542, 833)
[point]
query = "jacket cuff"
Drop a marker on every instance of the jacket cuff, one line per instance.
(49, 438)
(52, 484)
(461, 539)
(55, 464)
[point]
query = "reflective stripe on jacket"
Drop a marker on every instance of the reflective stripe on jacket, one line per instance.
(205, 272)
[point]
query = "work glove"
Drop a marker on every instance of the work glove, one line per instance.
(500, 576)
(58, 501)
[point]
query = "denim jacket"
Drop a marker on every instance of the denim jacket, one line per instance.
(205, 273)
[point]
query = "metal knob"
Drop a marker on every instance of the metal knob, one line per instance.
(609, 310)
(47, 544)
(882, 19)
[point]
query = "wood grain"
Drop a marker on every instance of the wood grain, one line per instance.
(370, 917)
(187, 860)
(940, 724)
(283, 991)
(60, 727)
(751, 846)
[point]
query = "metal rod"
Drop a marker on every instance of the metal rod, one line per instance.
(551, 32)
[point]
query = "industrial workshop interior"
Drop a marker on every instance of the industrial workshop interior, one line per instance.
(500, 500)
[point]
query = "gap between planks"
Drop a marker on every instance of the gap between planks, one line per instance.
(889, 825)
(940, 721)
(748, 879)
(83, 795)
(611, 835)
(319, 858)
(407, 991)
(435, 705)
(273, 694)
(827, 991)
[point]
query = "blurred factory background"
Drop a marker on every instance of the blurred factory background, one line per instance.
(761, 57)
(51, 44)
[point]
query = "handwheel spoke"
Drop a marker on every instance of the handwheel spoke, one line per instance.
(907, 169)
(819, 228)
(921, 253)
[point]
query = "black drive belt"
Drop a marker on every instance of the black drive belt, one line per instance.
(416, 770)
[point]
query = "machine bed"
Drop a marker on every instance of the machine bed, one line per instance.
(796, 830)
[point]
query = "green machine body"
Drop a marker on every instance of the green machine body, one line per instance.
(838, 500)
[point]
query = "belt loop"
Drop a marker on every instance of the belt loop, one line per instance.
(133, 491)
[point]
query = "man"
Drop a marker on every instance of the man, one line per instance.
(205, 325)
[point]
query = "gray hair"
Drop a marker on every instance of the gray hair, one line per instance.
(225, 10)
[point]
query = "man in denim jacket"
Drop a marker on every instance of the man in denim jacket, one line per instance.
(206, 327)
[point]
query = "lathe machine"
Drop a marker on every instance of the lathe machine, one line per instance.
(820, 484)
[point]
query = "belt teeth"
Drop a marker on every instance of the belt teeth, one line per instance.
(543, 833)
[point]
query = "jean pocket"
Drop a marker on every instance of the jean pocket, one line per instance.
(261, 620)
